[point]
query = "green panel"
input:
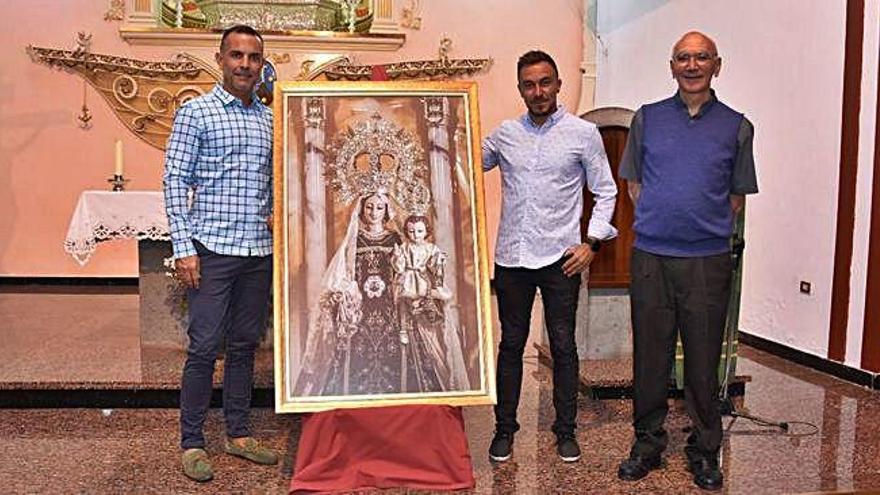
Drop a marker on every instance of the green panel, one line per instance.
(729, 342)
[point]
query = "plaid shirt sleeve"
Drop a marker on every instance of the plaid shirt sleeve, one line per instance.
(182, 151)
(272, 177)
(490, 152)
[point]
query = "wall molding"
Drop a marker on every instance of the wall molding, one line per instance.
(849, 166)
(871, 327)
(315, 41)
(70, 281)
(833, 368)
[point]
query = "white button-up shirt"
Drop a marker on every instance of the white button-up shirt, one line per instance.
(543, 172)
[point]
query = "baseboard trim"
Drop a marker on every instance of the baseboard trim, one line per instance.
(833, 368)
(623, 388)
(734, 389)
(114, 399)
(86, 281)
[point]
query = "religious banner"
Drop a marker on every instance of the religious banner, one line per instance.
(381, 276)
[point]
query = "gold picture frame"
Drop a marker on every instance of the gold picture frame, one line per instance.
(381, 283)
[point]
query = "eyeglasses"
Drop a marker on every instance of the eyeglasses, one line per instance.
(701, 58)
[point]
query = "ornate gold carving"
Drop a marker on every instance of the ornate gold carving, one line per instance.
(115, 11)
(278, 58)
(305, 67)
(409, 15)
(445, 48)
(357, 15)
(394, 164)
(442, 68)
(85, 115)
(143, 95)
(268, 15)
(314, 68)
(83, 43)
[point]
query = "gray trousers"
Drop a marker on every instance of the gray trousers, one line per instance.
(671, 296)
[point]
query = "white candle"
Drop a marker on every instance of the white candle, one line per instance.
(178, 9)
(118, 169)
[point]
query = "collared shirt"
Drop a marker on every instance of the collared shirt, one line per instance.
(743, 179)
(221, 151)
(543, 172)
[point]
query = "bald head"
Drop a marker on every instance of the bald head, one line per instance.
(694, 63)
(692, 37)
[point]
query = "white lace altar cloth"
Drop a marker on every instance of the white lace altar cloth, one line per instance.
(105, 215)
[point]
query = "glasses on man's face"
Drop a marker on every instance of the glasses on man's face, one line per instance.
(702, 58)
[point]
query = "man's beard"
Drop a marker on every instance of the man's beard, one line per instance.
(550, 110)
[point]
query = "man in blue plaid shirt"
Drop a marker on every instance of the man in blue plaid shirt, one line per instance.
(220, 153)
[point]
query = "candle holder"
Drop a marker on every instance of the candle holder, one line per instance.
(118, 182)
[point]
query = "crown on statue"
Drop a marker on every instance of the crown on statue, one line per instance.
(394, 164)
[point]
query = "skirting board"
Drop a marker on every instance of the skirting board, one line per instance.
(75, 281)
(833, 368)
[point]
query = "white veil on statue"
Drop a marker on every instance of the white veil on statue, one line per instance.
(336, 314)
(458, 375)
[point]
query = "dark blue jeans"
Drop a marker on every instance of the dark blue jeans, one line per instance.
(231, 302)
(516, 288)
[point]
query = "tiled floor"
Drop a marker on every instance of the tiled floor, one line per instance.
(135, 450)
(65, 339)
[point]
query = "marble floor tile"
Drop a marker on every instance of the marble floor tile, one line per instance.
(832, 446)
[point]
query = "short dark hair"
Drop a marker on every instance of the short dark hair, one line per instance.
(535, 57)
(240, 29)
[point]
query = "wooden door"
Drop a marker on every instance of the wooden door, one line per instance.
(610, 268)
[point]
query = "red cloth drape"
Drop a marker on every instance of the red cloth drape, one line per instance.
(418, 447)
(378, 73)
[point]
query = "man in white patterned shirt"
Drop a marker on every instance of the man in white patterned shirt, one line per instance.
(220, 150)
(545, 157)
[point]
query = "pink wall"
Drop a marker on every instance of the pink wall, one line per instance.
(46, 160)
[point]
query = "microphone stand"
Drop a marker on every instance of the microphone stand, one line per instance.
(731, 331)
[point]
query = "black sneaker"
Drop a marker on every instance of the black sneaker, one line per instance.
(567, 448)
(502, 446)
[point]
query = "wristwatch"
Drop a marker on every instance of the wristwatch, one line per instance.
(595, 244)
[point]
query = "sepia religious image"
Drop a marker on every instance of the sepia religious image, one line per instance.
(381, 287)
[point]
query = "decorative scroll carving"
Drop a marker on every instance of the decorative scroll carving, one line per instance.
(441, 68)
(419, 69)
(143, 95)
(410, 15)
(84, 118)
(278, 58)
(115, 11)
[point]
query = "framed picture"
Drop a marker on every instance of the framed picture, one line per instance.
(381, 279)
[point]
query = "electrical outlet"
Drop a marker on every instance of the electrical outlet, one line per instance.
(806, 287)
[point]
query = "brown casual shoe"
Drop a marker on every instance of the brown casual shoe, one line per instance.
(196, 465)
(252, 451)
